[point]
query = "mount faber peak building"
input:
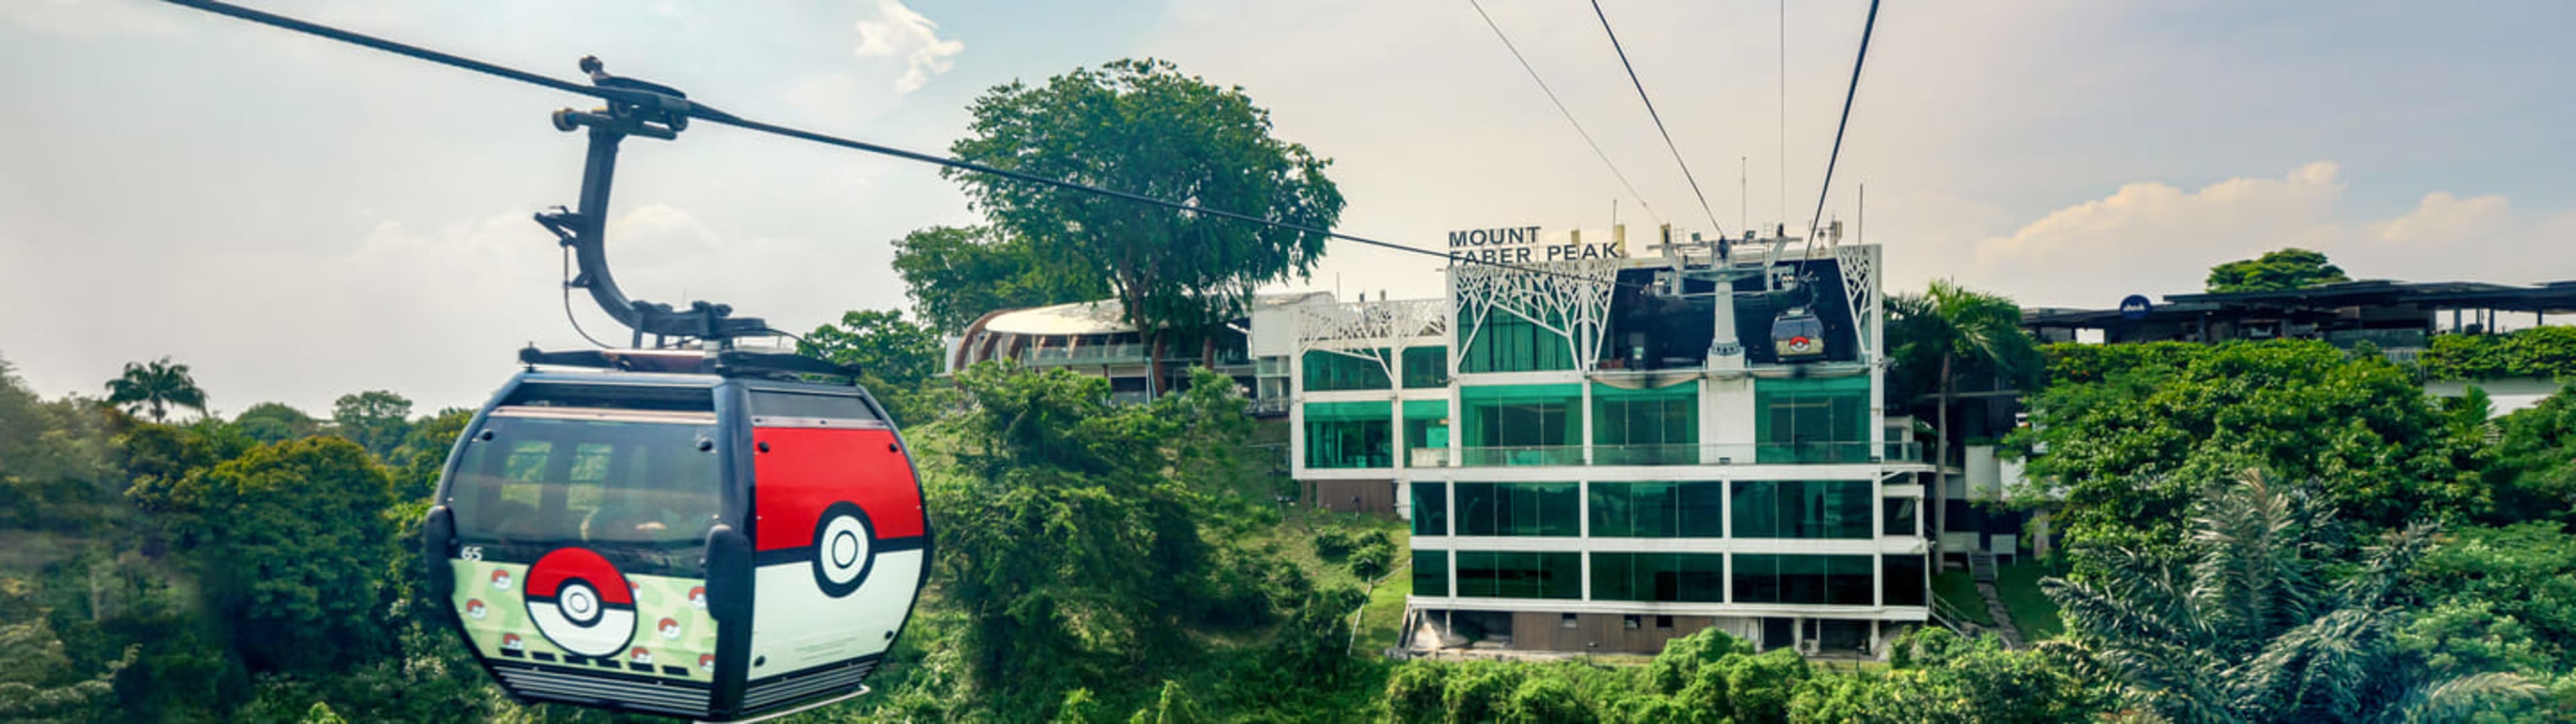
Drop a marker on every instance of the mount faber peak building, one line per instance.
(1601, 451)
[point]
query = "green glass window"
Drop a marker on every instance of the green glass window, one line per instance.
(1903, 581)
(1516, 574)
(1430, 573)
(1832, 580)
(1356, 370)
(1426, 424)
(1657, 510)
(1812, 420)
(1802, 509)
(1430, 508)
(1350, 434)
(1509, 342)
(1691, 577)
(1645, 427)
(1897, 518)
(1522, 424)
(1518, 509)
(1426, 367)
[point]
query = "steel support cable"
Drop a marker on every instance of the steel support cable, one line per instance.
(710, 114)
(1658, 118)
(1560, 108)
(1848, 95)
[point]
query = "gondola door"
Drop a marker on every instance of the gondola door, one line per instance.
(840, 541)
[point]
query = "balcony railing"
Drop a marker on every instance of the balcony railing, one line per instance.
(1086, 354)
(1793, 453)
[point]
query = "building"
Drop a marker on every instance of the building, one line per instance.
(1094, 338)
(1601, 452)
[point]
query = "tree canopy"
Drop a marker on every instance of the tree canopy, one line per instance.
(1142, 127)
(376, 420)
(155, 387)
(2280, 270)
(896, 359)
(956, 274)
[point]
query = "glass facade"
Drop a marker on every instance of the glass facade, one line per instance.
(1831, 580)
(1897, 517)
(1426, 367)
(1802, 509)
(1903, 580)
(1515, 574)
(1812, 420)
(1522, 424)
(1645, 427)
(1518, 509)
(1430, 509)
(1350, 434)
(1657, 510)
(1430, 573)
(1354, 370)
(1426, 424)
(1685, 577)
(1509, 342)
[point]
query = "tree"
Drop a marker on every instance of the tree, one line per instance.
(1141, 127)
(276, 422)
(154, 387)
(956, 274)
(376, 420)
(896, 359)
(1946, 333)
(2535, 471)
(290, 542)
(2251, 621)
(2281, 270)
(417, 463)
(2130, 452)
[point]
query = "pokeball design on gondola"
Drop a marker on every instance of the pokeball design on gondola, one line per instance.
(707, 663)
(501, 579)
(640, 656)
(475, 609)
(581, 602)
(842, 540)
(670, 628)
(698, 597)
(512, 642)
(1802, 344)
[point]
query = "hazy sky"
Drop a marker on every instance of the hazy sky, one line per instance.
(298, 219)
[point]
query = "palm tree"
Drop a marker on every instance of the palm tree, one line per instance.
(155, 387)
(2245, 626)
(1949, 331)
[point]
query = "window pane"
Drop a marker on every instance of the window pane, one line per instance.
(1430, 509)
(1802, 509)
(1898, 516)
(1426, 367)
(1520, 574)
(1522, 424)
(1645, 427)
(1349, 435)
(1902, 578)
(1837, 580)
(623, 487)
(1703, 514)
(1812, 421)
(1509, 342)
(1430, 573)
(1345, 370)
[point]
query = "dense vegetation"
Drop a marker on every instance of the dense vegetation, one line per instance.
(2278, 270)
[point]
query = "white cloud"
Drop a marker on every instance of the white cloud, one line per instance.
(91, 19)
(2154, 238)
(899, 32)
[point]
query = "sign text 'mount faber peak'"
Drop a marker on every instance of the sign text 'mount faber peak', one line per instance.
(1524, 244)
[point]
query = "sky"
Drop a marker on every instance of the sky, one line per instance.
(298, 219)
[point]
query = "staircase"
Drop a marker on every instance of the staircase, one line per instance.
(1981, 566)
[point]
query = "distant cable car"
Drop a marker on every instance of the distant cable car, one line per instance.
(695, 534)
(1797, 336)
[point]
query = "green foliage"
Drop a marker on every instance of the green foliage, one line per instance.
(276, 422)
(155, 387)
(2499, 598)
(2262, 615)
(2543, 352)
(376, 420)
(956, 275)
(2072, 363)
(1142, 127)
(2279, 270)
(1949, 331)
(2132, 450)
(2535, 467)
(291, 541)
(896, 360)
(416, 464)
(57, 465)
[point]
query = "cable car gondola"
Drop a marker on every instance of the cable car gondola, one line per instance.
(1798, 336)
(686, 534)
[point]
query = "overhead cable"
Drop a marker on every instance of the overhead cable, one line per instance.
(1659, 119)
(1848, 94)
(1560, 108)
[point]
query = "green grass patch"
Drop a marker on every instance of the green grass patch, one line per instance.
(1960, 592)
(1381, 623)
(2032, 612)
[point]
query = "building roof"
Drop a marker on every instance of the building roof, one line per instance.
(2553, 298)
(1099, 317)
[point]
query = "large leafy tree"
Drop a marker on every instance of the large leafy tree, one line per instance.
(376, 420)
(2129, 449)
(276, 422)
(2280, 270)
(2264, 615)
(956, 274)
(2535, 471)
(1142, 127)
(1946, 334)
(155, 387)
(291, 543)
(896, 359)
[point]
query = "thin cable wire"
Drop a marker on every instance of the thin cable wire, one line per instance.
(1848, 95)
(567, 302)
(710, 114)
(1560, 108)
(1784, 111)
(1659, 119)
